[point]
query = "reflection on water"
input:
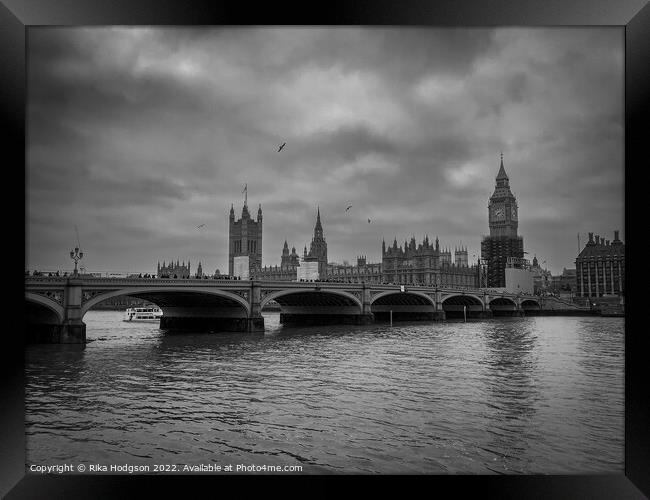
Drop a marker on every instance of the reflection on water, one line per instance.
(509, 366)
(509, 395)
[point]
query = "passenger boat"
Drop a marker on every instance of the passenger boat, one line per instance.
(142, 314)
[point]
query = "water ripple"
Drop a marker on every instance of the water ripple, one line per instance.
(508, 396)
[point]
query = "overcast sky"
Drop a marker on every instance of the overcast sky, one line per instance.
(139, 135)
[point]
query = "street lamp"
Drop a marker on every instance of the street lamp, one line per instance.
(76, 255)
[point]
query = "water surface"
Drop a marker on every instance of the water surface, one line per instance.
(508, 395)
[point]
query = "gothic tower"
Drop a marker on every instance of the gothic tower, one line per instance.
(318, 248)
(502, 207)
(503, 241)
(289, 261)
(245, 238)
(460, 257)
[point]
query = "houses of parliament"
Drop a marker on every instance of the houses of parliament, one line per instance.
(424, 263)
(600, 266)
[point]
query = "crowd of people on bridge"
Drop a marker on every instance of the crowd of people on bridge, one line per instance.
(48, 274)
(238, 278)
(343, 280)
(204, 277)
(57, 274)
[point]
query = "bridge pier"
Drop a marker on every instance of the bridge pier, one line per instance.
(73, 332)
(64, 333)
(67, 328)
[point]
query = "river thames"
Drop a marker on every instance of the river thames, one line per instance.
(530, 395)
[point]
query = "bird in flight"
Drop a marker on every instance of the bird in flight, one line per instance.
(200, 225)
(283, 145)
(349, 207)
(368, 221)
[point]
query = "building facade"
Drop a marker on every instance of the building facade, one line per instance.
(173, 270)
(503, 241)
(564, 284)
(177, 270)
(289, 261)
(600, 267)
(286, 271)
(519, 276)
(245, 239)
(362, 272)
(542, 279)
(426, 264)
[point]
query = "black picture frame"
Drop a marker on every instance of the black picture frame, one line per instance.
(634, 15)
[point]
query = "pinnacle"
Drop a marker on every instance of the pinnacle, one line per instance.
(502, 171)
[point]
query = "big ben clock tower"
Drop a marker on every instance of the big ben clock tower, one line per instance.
(503, 241)
(503, 207)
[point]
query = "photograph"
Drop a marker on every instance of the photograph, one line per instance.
(341, 250)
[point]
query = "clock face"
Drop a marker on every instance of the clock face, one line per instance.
(499, 213)
(514, 213)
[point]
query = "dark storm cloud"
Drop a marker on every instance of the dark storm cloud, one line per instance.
(138, 135)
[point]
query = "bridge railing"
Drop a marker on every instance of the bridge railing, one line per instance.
(211, 282)
(118, 281)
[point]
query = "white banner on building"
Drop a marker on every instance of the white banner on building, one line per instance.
(519, 280)
(240, 267)
(307, 270)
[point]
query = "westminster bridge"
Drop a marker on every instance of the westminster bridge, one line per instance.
(55, 306)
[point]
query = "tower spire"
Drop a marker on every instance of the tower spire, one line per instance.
(502, 171)
(318, 229)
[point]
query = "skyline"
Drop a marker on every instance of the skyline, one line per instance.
(139, 135)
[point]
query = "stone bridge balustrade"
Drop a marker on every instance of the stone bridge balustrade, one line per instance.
(56, 305)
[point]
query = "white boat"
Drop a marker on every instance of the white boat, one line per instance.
(142, 314)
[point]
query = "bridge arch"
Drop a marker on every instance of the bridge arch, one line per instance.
(409, 305)
(502, 301)
(460, 305)
(326, 297)
(152, 293)
(417, 298)
(43, 309)
(467, 299)
(530, 304)
(503, 305)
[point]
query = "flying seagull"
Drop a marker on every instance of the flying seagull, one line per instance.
(283, 145)
(200, 225)
(348, 208)
(368, 221)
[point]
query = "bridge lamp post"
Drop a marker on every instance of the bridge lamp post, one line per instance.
(76, 255)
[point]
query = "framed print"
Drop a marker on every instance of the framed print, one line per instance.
(364, 240)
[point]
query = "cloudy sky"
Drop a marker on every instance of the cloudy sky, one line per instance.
(139, 135)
